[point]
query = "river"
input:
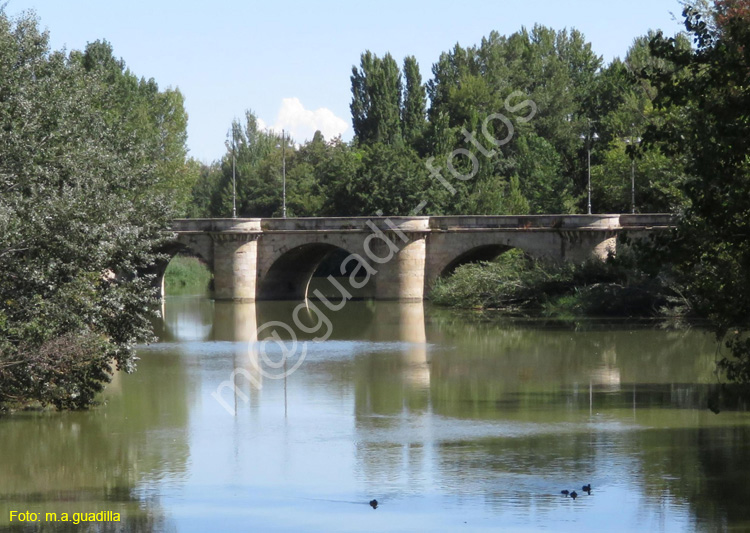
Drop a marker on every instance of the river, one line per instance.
(452, 421)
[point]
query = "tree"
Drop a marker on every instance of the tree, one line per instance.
(81, 218)
(376, 99)
(335, 174)
(555, 69)
(204, 190)
(305, 196)
(258, 181)
(414, 110)
(540, 176)
(136, 107)
(391, 180)
(705, 95)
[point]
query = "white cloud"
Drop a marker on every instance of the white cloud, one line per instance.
(302, 123)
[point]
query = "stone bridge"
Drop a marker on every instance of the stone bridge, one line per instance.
(275, 259)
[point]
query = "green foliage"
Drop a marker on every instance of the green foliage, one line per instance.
(542, 183)
(335, 172)
(187, 275)
(252, 164)
(491, 284)
(705, 95)
(204, 192)
(517, 284)
(389, 179)
(322, 179)
(376, 99)
(138, 109)
(556, 70)
(541, 169)
(83, 206)
(413, 113)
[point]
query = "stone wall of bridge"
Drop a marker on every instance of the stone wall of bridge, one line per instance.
(274, 259)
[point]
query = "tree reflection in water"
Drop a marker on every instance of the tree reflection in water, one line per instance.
(470, 413)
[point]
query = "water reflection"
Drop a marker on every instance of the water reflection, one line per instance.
(472, 407)
(114, 457)
(234, 322)
(444, 418)
(186, 319)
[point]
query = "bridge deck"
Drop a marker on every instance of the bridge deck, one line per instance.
(423, 224)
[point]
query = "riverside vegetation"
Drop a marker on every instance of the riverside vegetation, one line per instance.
(518, 285)
(187, 275)
(94, 164)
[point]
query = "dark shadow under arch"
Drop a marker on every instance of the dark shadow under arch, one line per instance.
(475, 255)
(290, 275)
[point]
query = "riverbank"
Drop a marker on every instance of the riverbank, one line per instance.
(517, 285)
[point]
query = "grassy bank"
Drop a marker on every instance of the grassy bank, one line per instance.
(518, 285)
(187, 275)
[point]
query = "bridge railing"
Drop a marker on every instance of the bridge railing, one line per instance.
(216, 225)
(345, 224)
(328, 224)
(447, 223)
(423, 224)
(649, 220)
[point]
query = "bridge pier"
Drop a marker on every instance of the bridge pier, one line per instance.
(402, 278)
(235, 265)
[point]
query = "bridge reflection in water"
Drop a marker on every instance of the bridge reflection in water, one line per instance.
(397, 325)
(413, 401)
(496, 361)
(444, 417)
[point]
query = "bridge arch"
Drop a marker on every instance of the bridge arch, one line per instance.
(486, 252)
(454, 250)
(290, 275)
(172, 249)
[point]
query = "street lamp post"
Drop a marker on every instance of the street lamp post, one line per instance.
(632, 186)
(632, 172)
(589, 167)
(234, 179)
(589, 137)
(283, 173)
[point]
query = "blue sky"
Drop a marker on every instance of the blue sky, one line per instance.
(290, 62)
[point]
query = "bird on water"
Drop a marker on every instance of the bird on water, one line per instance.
(574, 495)
(565, 493)
(374, 504)
(587, 489)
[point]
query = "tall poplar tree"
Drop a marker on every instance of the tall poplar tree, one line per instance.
(413, 113)
(376, 100)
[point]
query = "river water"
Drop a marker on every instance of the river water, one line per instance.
(452, 421)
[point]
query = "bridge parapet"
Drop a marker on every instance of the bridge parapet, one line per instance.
(647, 220)
(345, 224)
(216, 225)
(524, 222)
(422, 224)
